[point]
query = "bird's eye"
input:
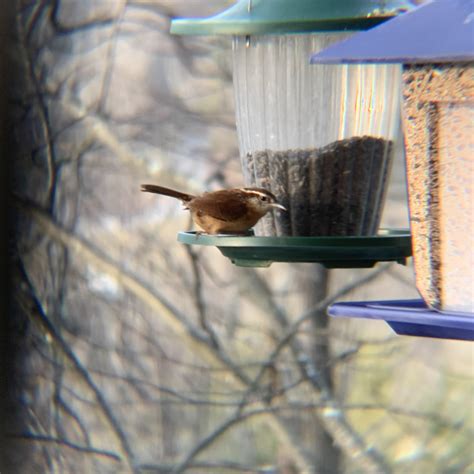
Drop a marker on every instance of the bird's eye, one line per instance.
(264, 198)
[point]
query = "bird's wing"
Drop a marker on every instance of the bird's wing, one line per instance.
(221, 205)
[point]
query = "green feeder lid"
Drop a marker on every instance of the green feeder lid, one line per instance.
(332, 252)
(249, 17)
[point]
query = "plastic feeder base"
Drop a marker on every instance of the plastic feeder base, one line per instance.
(332, 252)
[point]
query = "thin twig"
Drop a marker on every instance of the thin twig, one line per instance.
(198, 296)
(293, 328)
(69, 444)
(237, 417)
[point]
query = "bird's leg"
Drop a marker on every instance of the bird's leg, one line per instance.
(198, 234)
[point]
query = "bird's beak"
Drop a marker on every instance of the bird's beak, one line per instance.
(278, 206)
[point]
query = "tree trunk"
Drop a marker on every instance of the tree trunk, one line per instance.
(313, 284)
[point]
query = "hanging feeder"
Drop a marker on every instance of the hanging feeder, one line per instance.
(321, 138)
(434, 43)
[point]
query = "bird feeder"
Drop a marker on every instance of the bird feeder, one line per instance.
(320, 138)
(435, 44)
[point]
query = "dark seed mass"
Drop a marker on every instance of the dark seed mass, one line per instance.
(335, 190)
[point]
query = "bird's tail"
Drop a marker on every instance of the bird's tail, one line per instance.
(153, 188)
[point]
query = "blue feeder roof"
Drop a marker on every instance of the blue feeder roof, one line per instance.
(410, 318)
(439, 31)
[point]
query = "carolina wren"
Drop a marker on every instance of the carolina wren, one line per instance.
(225, 211)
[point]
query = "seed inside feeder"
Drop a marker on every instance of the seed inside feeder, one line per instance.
(334, 190)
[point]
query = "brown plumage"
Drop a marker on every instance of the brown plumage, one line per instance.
(224, 211)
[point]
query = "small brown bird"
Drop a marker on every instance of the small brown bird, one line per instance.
(232, 211)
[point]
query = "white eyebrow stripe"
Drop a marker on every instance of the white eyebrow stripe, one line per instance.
(257, 193)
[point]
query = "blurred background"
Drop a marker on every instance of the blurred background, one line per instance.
(129, 352)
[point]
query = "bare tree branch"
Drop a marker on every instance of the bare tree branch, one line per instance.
(128, 455)
(38, 438)
(198, 296)
(343, 433)
(194, 338)
(43, 112)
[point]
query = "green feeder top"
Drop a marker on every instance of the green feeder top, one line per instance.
(250, 17)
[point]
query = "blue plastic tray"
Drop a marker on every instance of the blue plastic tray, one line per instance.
(410, 318)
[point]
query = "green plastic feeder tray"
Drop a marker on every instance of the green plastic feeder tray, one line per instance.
(332, 252)
(258, 17)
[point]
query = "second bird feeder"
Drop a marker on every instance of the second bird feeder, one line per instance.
(435, 45)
